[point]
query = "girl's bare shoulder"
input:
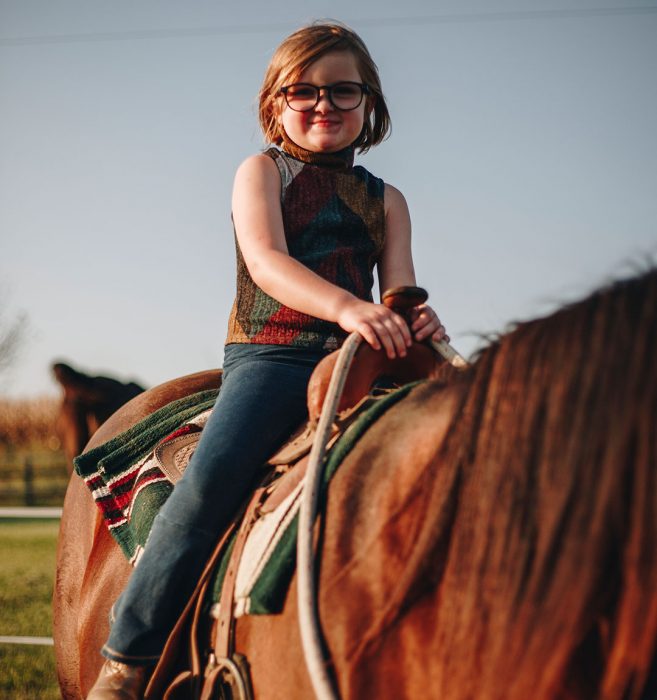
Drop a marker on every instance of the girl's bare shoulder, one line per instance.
(393, 199)
(258, 163)
(257, 171)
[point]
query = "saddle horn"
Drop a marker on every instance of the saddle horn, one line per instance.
(401, 300)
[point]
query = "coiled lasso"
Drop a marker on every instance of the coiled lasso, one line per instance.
(399, 299)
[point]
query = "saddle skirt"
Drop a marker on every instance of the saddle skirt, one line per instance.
(269, 540)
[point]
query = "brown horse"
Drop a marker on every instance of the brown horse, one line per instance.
(492, 536)
(87, 403)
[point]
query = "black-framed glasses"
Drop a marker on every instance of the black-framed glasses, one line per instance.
(345, 96)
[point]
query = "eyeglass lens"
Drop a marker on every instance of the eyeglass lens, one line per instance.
(302, 97)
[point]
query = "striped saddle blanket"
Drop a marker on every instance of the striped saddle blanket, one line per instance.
(132, 475)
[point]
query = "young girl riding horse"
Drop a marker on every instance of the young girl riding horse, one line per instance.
(310, 227)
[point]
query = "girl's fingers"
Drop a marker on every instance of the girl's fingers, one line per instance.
(422, 316)
(400, 334)
(441, 335)
(428, 330)
(388, 345)
(398, 340)
(389, 339)
(427, 324)
(391, 336)
(405, 331)
(370, 336)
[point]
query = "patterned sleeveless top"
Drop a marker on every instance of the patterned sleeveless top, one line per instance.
(334, 222)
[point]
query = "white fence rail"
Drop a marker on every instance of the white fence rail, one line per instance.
(30, 512)
(32, 641)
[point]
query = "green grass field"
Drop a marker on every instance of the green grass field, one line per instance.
(27, 567)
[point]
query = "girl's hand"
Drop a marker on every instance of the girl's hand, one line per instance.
(426, 324)
(378, 325)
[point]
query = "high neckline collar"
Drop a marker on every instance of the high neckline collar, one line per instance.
(340, 160)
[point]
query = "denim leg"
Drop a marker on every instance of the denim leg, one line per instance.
(262, 400)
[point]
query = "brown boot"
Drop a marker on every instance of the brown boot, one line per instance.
(117, 681)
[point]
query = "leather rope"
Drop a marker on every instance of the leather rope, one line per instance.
(309, 623)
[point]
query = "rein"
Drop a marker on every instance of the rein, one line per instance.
(309, 624)
(399, 299)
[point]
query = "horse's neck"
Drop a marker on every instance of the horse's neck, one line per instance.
(377, 507)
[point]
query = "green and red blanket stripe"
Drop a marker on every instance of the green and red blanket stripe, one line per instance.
(124, 477)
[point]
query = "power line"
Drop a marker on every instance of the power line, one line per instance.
(236, 29)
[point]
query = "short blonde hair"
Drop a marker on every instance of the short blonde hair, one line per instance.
(301, 49)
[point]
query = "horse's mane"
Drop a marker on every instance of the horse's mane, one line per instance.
(547, 483)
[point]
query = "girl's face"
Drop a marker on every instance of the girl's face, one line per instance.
(325, 128)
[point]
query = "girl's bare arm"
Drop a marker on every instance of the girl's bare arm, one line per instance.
(396, 264)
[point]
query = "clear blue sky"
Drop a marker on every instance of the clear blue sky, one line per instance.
(523, 137)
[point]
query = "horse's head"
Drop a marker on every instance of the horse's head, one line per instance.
(88, 401)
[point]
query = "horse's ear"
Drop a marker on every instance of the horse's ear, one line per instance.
(63, 372)
(70, 378)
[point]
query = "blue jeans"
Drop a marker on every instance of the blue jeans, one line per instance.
(262, 400)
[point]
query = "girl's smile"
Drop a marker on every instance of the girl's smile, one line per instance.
(324, 128)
